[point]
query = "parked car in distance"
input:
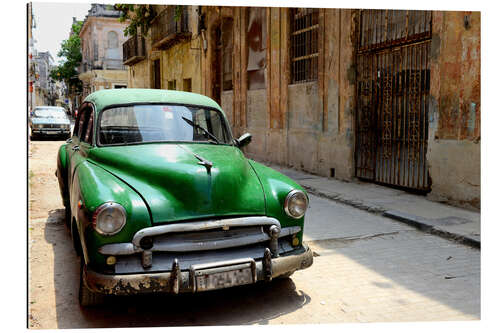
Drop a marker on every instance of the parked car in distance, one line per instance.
(159, 197)
(49, 121)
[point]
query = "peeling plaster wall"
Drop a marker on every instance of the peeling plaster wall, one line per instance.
(304, 126)
(257, 123)
(182, 61)
(227, 105)
(178, 62)
(454, 151)
(310, 126)
(307, 126)
(139, 75)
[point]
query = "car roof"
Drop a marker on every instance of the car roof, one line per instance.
(108, 97)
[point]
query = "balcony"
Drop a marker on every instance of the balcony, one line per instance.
(166, 30)
(134, 50)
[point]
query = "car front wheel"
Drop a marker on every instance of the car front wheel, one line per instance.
(86, 297)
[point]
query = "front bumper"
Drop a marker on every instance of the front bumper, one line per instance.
(50, 131)
(178, 281)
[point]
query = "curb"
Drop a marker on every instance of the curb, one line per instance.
(345, 200)
(426, 226)
(418, 222)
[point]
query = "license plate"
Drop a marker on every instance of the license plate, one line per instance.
(230, 277)
(51, 132)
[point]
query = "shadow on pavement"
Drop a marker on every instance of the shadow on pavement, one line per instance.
(254, 304)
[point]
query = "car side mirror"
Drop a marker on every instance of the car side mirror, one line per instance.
(244, 140)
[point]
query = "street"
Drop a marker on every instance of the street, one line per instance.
(367, 268)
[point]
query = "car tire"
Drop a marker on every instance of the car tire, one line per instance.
(76, 240)
(86, 297)
(67, 217)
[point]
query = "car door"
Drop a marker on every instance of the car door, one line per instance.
(79, 146)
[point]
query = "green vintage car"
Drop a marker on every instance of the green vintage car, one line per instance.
(160, 198)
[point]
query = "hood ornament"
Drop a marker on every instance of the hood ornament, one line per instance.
(207, 164)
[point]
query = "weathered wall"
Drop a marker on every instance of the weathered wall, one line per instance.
(455, 108)
(178, 62)
(107, 79)
(182, 61)
(310, 126)
(139, 74)
(307, 126)
(227, 105)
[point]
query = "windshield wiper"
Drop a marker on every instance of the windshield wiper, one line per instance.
(202, 128)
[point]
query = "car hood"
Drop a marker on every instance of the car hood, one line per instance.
(176, 187)
(50, 120)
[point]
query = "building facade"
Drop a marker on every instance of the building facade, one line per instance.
(169, 55)
(31, 49)
(101, 45)
(387, 96)
(44, 88)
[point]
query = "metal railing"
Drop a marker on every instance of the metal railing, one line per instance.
(134, 50)
(167, 28)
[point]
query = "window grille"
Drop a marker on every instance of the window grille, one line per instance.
(304, 53)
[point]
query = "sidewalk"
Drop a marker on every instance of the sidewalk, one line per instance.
(440, 219)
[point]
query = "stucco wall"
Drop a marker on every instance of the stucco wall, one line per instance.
(139, 75)
(454, 150)
(182, 61)
(307, 126)
(227, 105)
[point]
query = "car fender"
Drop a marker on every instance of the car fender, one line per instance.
(276, 187)
(92, 186)
(62, 173)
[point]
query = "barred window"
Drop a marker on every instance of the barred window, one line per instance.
(304, 26)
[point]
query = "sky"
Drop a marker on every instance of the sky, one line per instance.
(53, 24)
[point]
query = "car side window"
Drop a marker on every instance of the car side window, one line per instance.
(90, 126)
(77, 124)
(82, 119)
(84, 124)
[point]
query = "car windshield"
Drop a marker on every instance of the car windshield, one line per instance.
(49, 113)
(162, 123)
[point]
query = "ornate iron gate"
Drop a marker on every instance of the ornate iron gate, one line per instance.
(393, 81)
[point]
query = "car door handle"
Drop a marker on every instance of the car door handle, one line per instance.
(76, 148)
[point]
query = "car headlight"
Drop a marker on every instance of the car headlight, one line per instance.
(109, 218)
(296, 204)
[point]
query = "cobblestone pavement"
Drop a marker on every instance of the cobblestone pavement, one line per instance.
(367, 269)
(405, 276)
